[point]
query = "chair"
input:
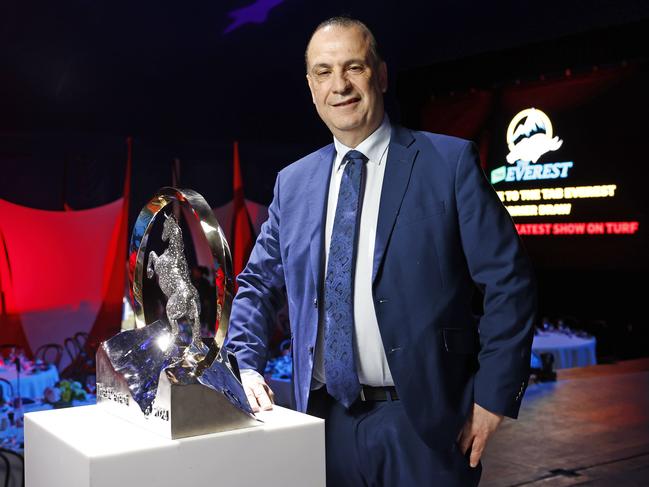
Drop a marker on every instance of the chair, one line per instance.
(5, 470)
(72, 348)
(9, 386)
(81, 338)
(81, 364)
(14, 475)
(50, 353)
(87, 346)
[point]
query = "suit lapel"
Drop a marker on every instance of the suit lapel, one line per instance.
(401, 156)
(317, 191)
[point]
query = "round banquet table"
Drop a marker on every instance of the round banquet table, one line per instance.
(568, 351)
(32, 384)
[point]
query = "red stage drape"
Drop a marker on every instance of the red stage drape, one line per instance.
(11, 330)
(242, 231)
(62, 272)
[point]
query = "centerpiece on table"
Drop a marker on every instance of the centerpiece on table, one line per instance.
(63, 393)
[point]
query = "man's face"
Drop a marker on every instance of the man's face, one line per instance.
(346, 83)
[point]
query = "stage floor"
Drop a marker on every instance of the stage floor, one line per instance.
(589, 428)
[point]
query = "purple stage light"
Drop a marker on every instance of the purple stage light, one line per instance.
(256, 13)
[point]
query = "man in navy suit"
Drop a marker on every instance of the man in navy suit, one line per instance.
(379, 241)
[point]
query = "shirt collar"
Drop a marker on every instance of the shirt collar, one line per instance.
(373, 147)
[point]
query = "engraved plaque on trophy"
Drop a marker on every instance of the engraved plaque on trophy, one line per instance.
(164, 375)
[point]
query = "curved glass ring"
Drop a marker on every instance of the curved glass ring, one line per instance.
(215, 238)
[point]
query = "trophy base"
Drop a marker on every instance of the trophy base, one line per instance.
(162, 395)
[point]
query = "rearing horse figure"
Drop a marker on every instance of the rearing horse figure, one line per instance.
(174, 281)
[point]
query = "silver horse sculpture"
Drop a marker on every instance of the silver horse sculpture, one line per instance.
(174, 281)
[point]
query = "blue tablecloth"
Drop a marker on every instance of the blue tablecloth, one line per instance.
(32, 384)
(568, 350)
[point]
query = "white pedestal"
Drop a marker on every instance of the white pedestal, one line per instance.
(86, 447)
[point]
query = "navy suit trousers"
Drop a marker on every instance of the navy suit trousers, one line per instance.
(373, 444)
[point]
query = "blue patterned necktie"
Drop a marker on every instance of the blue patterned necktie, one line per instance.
(340, 366)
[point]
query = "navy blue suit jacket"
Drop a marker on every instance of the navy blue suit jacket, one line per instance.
(442, 231)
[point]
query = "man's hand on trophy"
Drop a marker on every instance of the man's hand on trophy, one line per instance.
(259, 395)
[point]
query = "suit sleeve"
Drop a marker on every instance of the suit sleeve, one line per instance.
(500, 267)
(260, 295)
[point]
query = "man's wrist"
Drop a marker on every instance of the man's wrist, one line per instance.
(251, 374)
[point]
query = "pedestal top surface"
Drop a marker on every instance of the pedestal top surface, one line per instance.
(95, 432)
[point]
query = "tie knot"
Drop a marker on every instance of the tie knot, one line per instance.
(354, 156)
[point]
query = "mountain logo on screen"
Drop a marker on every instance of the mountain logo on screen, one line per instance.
(529, 136)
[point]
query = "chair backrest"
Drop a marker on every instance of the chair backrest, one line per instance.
(15, 462)
(88, 348)
(50, 353)
(72, 347)
(81, 338)
(8, 385)
(5, 469)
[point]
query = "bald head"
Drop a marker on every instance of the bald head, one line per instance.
(350, 23)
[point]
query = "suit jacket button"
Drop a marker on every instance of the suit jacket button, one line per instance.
(315, 302)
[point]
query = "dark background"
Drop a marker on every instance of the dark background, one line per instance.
(605, 137)
(78, 77)
(597, 283)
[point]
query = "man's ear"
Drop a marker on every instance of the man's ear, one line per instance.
(310, 82)
(383, 76)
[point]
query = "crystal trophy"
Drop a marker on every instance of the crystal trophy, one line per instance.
(163, 375)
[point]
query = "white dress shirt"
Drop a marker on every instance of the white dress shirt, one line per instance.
(371, 362)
